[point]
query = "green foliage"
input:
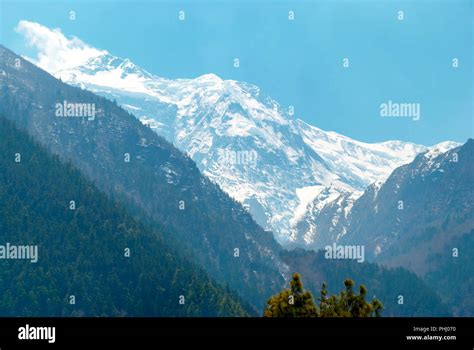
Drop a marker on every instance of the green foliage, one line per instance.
(296, 302)
(81, 251)
(293, 302)
(348, 304)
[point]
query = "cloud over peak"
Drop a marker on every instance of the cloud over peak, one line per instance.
(55, 51)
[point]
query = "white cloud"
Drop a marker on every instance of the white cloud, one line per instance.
(54, 50)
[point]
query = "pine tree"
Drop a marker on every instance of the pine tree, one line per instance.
(296, 302)
(293, 302)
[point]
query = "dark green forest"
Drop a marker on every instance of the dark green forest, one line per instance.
(82, 252)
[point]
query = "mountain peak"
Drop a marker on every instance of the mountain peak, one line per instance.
(209, 77)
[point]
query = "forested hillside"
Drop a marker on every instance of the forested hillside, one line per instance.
(126, 159)
(93, 258)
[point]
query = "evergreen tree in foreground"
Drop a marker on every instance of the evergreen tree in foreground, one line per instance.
(293, 302)
(296, 302)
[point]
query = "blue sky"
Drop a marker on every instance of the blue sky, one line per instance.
(297, 62)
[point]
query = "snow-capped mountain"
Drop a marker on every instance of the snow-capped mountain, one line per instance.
(278, 166)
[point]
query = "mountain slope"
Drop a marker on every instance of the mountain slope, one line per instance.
(422, 218)
(215, 231)
(82, 252)
(323, 224)
(456, 273)
(420, 208)
(244, 141)
(416, 211)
